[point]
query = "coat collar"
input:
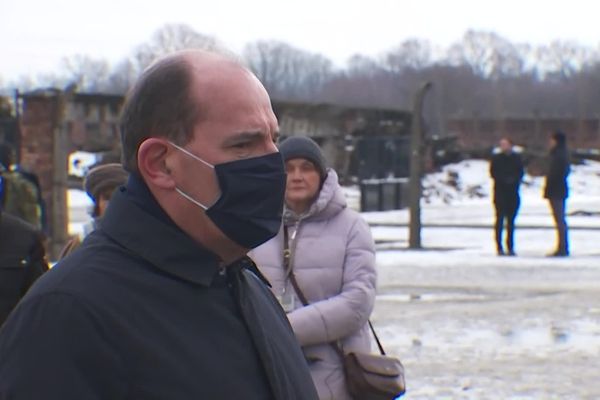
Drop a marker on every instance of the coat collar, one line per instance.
(137, 222)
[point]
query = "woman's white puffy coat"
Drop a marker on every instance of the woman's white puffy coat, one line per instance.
(334, 264)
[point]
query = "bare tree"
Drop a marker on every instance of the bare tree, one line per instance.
(171, 38)
(286, 71)
(489, 55)
(412, 53)
(122, 77)
(89, 74)
(47, 80)
(562, 58)
(360, 65)
(483, 74)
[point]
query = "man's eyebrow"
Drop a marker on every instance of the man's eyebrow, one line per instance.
(243, 137)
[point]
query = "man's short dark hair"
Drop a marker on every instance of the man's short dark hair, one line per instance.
(160, 104)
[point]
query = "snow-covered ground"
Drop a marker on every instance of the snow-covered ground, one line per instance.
(80, 162)
(468, 324)
(460, 195)
(80, 205)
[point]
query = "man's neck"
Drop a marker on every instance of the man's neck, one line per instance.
(226, 249)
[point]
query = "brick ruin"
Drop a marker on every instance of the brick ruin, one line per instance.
(55, 123)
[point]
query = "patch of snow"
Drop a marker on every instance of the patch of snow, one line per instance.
(81, 161)
(461, 195)
(80, 205)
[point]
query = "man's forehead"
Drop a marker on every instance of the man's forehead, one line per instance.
(224, 90)
(227, 86)
(208, 68)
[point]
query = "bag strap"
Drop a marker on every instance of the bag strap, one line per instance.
(287, 253)
(381, 350)
(297, 289)
(287, 262)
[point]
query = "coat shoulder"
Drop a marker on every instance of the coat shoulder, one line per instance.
(84, 272)
(17, 229)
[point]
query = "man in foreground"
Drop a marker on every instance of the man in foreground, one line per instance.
(160, 302)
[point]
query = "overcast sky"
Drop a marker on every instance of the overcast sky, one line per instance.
(36, 34)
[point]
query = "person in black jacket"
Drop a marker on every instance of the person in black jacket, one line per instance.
(22, 261)
(557, 189)
(161, 301)
(506, 169)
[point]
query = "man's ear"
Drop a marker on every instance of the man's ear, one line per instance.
(152, 159)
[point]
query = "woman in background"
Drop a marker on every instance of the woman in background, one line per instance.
(99, 184)
(331, 261)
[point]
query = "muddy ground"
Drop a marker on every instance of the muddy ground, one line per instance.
(472, 326)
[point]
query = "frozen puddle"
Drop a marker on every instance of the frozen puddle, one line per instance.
(583, 336)
(489, 324)
(579, 336)
(432, 297)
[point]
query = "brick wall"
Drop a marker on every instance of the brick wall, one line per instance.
(473, 133)
(37, 125)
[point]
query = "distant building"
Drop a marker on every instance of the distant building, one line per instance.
(531, 132)
(357, 141)
(362, 142)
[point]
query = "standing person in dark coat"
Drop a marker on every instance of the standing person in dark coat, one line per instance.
(22, 261)
(506, 169)
(557, 189)
(161, 301)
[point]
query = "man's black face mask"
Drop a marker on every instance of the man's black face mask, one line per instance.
(250, 206)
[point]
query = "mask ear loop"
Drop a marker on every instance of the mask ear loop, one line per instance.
(195, 157)
(196, 202)
(181, 192)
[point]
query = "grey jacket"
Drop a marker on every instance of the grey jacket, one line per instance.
(334, 262)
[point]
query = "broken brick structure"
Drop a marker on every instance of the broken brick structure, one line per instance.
(54, 124)
(357, 141)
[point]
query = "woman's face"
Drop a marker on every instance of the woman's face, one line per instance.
(303, 181)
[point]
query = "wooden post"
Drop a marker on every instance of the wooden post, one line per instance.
(348, 150)
(416, 167)
(537, 128)
(17, 98)
(59, 214)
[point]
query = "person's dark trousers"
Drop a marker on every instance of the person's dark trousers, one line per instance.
(508, 215)
(558, 212)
